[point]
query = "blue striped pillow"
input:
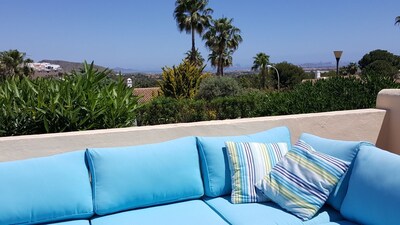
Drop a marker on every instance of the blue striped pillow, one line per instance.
(250, 162)
(302, 181)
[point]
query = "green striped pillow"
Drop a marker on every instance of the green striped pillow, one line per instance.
(302, 181)
(250, 162)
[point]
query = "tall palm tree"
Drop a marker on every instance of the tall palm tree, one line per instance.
(192, 16)
(261, 60)
(397, 20)
(222, 38)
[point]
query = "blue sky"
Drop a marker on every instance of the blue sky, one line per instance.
(143, 35)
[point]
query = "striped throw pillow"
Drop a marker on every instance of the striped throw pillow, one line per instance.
(302, 181)
(250, 162)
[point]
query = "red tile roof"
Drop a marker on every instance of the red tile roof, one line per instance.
(146, 94)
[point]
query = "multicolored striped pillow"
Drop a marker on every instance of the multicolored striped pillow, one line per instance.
(250, 162)
(302, 181)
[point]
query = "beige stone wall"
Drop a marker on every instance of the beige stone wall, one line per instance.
(389, 137)
(345, 125)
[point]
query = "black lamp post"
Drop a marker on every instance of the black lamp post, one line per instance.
(338, 54)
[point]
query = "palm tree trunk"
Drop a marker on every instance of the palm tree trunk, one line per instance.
(193, 54)
(220, 72)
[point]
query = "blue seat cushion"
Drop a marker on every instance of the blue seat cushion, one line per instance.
(214, 159)
(126, 178)
(75, 222)
(266, 213)
(342, 222)
(182, 213)
(46, 189)
(344, 150)
(373, 196)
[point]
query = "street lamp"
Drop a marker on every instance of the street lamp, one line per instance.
(270, 66)
(338, 54)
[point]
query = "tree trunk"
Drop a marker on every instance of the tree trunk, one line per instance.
(220, 72)
(264, 78)
(193, 55)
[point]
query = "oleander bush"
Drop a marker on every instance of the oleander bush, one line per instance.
(336, 93)
(81, 101)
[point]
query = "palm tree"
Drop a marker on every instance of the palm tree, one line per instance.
(397, 20)
(261, 60)
(222, 38)
(192, 16)
(13, 63)
(195, 58)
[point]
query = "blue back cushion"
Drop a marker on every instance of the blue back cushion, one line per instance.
(373, 196)
(214, 160)
(138, 176)
(344, 150)
(44, 190)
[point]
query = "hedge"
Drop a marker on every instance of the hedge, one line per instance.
(336, 93)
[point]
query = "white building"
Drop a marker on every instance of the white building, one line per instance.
(45, 67)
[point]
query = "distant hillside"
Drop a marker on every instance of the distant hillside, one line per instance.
(70, 66)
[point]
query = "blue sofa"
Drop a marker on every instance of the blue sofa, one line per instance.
(186, 181)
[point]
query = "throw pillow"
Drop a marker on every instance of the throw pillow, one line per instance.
(302, 181)
(248, 163)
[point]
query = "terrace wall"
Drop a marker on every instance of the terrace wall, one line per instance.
(389, 136)
(345, 125)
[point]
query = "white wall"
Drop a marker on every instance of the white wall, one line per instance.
(389, 137)
(345, 125)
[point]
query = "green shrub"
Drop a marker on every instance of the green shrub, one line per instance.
(249, 81)
(80, 101)
(165, 110)
(380, 68)
(289, 75)
(214, 87)
(336, 93)
(182, 81)
(378, 54)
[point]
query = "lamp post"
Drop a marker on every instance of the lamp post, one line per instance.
(277, 72)
(338, 54)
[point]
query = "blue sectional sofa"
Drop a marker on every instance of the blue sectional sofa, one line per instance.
(187, 181)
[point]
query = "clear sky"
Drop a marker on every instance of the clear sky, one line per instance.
(142, 34)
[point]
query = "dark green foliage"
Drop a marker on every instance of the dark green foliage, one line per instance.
(380, 68)
(14, 63)
(351, 69)
(290, 75)
(336, 93)
(213, 87)
(378, 54)
(80, 101)
(164, 110)
(249, 81)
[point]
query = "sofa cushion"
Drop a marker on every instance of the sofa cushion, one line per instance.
(342, 222)
(373, 196)
(182, 213)
(344, 150)
(302, 180)
(266, 213)
(139, 176)
(214, 160)
(75, 222)
(46, 189)
(249, 162)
